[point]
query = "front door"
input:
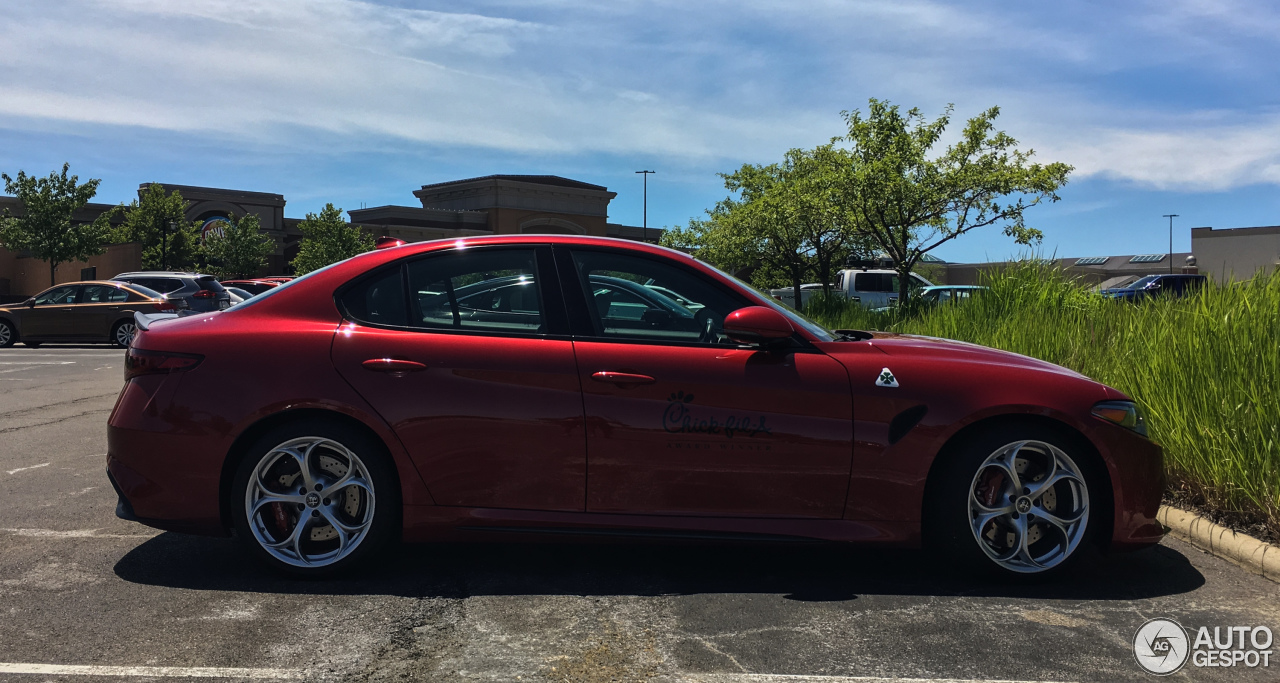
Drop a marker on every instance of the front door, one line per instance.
(459, 353)
(683, 422)
(51, 317)
(96, 310)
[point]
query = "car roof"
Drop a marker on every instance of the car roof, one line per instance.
(161, 273)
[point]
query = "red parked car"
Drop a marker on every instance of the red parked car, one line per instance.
(511, 386)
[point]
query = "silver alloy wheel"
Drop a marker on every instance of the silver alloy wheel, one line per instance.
(6, 334)
(1028, 506)
(310, 502)
(125, 332)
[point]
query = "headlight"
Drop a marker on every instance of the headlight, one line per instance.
(1123, 413)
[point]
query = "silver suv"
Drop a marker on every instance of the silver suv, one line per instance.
(193, 291)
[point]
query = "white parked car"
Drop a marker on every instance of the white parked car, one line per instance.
(871, 288)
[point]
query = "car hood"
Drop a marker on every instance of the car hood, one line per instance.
(909, 345)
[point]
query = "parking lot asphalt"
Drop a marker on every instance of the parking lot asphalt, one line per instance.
(86, 596)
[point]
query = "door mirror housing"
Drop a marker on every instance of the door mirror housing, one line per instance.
(757, 326)
(30, 303)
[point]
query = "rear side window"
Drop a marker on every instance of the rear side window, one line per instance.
(146, 292)
(102, 294)
(487, 290)
(164, 285)
(874, 282)
(378, 300)
(210, 283)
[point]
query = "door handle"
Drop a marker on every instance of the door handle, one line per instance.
(622, 378)
(392, 365)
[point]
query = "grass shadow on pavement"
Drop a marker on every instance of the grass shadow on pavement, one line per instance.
(808, 572)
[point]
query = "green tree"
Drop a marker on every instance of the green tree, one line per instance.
(786, 222)
(327, 238)
(148, 220)
(240, 251)
(907, 200)
(48, 228)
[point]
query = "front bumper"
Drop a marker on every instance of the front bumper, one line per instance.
(1136, 466)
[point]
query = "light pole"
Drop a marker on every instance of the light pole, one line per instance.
(645, 215)
(1170, 216)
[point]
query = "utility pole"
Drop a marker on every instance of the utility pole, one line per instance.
(645, 215)
(1170, 216)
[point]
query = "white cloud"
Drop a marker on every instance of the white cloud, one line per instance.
(698, 83)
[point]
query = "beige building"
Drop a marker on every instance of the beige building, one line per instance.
(491, 205)
(1236, 253)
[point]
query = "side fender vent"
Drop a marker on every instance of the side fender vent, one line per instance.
(905, 421)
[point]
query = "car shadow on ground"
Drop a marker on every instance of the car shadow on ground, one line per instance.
(801, 571)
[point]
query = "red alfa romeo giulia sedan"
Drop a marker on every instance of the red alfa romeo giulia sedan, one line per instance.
(516, 386)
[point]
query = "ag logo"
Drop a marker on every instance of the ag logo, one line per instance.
(886, 379)
(1161, 646)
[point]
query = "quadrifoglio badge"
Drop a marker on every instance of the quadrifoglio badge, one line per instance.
(1162, 646)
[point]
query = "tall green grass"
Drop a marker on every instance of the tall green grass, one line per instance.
(1205, 368)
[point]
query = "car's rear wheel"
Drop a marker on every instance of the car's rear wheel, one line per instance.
(1014, 501)
(8, 335)
(314, 498)
(122, 333)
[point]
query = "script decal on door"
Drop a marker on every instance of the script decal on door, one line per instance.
(679, 418)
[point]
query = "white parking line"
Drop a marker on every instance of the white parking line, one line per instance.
(37, 362)
(148, 671)
(787, 678)
(76, 533)
(24, 469)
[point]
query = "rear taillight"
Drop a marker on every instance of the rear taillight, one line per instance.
(165, 306)
(205, 294)
(138, 362)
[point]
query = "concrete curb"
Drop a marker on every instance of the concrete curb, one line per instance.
(1219, 541)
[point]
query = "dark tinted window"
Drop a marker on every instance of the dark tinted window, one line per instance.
(875, 282)
(646, 299)
(210, 283)
(378, 300)
(163, 285)
(494, 290)
(102, 294)
(146, 292)
(57, 297)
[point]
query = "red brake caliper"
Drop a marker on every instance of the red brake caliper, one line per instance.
(281, 517)
(989, 486)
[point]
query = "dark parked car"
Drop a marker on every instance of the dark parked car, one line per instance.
(195, 291)
(254, 286)
(80, 312)
(1157, 285)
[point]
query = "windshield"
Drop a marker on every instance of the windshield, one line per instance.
(796, 318)
(1142, 282)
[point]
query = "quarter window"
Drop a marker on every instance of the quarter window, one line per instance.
(487, 290)
(379, 300)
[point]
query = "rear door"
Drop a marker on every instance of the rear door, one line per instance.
(467, 356)
(97, 308)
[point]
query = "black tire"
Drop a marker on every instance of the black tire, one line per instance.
(950, 517)
(116, 334)
(381, 529)
(8, 334)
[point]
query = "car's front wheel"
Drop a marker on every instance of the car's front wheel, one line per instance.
(1016, 501)
(8, 335)
(315, 498)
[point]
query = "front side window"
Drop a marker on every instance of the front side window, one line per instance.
(632, 297)
(59, 296)
(485, 290)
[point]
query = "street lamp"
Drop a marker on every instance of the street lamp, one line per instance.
(1170, 216)
(645, 215)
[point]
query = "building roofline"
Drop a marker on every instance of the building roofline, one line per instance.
(553, 180)
(1200, 233)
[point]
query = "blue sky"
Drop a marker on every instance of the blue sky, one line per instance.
(1166, 106)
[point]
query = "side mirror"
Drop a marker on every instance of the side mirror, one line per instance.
(30, 303)
(758, 326)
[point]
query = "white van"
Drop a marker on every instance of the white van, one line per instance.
(871, 288)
